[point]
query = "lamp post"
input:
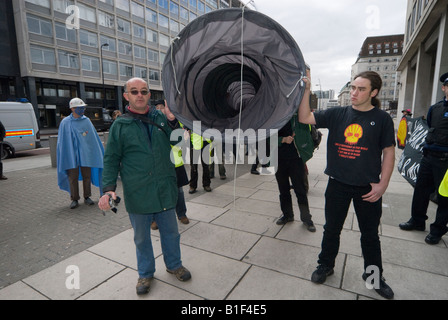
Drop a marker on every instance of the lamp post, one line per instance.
(102, 74)
(320, 95)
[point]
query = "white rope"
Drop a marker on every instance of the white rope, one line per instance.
(241, 105)
(302, 77)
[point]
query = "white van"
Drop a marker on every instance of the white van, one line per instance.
(22, 131)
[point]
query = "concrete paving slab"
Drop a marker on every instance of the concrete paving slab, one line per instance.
(249, 222)
(121, 249)
(224, 241)
(257, 206)
(213, 276)
(291, 258)
(429, 258)
(121, 287)
(229, 189)
(202, 212)
(20, 291)
(263, 284)
(214, 199)
(407, 283)
(91, 269)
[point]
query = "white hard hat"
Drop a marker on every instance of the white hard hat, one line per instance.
(76, 102)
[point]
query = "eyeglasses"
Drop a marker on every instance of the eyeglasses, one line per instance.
(136, 92)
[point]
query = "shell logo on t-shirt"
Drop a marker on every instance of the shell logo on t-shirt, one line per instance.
(353, 133)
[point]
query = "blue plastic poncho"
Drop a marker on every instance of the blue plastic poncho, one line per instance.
(78, 146)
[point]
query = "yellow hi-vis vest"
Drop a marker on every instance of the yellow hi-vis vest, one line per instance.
(177, 156)
(198, 141)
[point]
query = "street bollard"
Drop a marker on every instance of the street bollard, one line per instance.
(53, 140)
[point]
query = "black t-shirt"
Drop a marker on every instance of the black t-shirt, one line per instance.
(355, 143)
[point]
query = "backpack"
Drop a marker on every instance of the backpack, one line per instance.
(316, 135)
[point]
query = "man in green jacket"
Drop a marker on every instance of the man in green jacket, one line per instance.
(138, 149)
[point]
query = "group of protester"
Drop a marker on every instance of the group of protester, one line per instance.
(360, 162)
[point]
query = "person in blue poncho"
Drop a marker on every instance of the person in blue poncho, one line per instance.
(80, 154)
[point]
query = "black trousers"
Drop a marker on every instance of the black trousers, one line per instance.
(338, 197)
(195, 155)
(294, 170)
(430, 175)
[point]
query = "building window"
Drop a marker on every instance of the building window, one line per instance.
(106, 20)
(151, 15)
(174, 9)
(90, 63)
(111, 2)
(163, 21)
(88, 38)
(153, 56)
(141, 73)
(152, 36)
(124, 48)
(123, 26)
(68, 60)
(184, 13)
(42, 3)
(50, 90)
(174, 26)
(193, 16)
(63, 91)
(62, 5)
(193, 4)
(87, 13)
(111, 42)
(137, 10)
(63, 33)
(126, 70)
(163, 4)
(122, 4)
(139, 31)
(154, 75)
(110, 67)
(43, 56)
(164, 40)
(40, 26)
(201, 7)
(139, 52)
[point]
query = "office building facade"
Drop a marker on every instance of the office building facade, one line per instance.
(425, 55)
(89, 48)
(382, 54)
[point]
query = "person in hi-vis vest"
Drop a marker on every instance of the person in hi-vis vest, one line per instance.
(181, 174)
(197, 147)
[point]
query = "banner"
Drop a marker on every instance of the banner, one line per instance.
(411, 157)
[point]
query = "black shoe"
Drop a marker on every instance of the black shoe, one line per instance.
(411, 225)
(432, 239)
(192, 190)
(208, 189)
(255, 172)
(284, 220)
(320, 275)
(2, 177)
(384, 290)
(310, 226)
(89, 202)
(74, 204)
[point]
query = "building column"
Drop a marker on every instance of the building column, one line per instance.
(441, 59)
(31, 94)
(423, 82)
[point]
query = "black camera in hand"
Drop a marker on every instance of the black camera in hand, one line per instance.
(113, 203)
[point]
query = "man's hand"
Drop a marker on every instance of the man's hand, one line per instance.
(167, 112)
(103, 204)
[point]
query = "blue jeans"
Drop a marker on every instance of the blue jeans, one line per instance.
(169, 238)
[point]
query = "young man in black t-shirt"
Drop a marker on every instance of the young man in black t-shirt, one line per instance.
(360, 162)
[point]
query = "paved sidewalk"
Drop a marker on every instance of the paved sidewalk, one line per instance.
(232, 247)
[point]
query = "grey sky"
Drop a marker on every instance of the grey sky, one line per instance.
(330, 33)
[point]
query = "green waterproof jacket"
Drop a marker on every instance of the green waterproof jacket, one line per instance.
(303, 140)
(140, 153)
